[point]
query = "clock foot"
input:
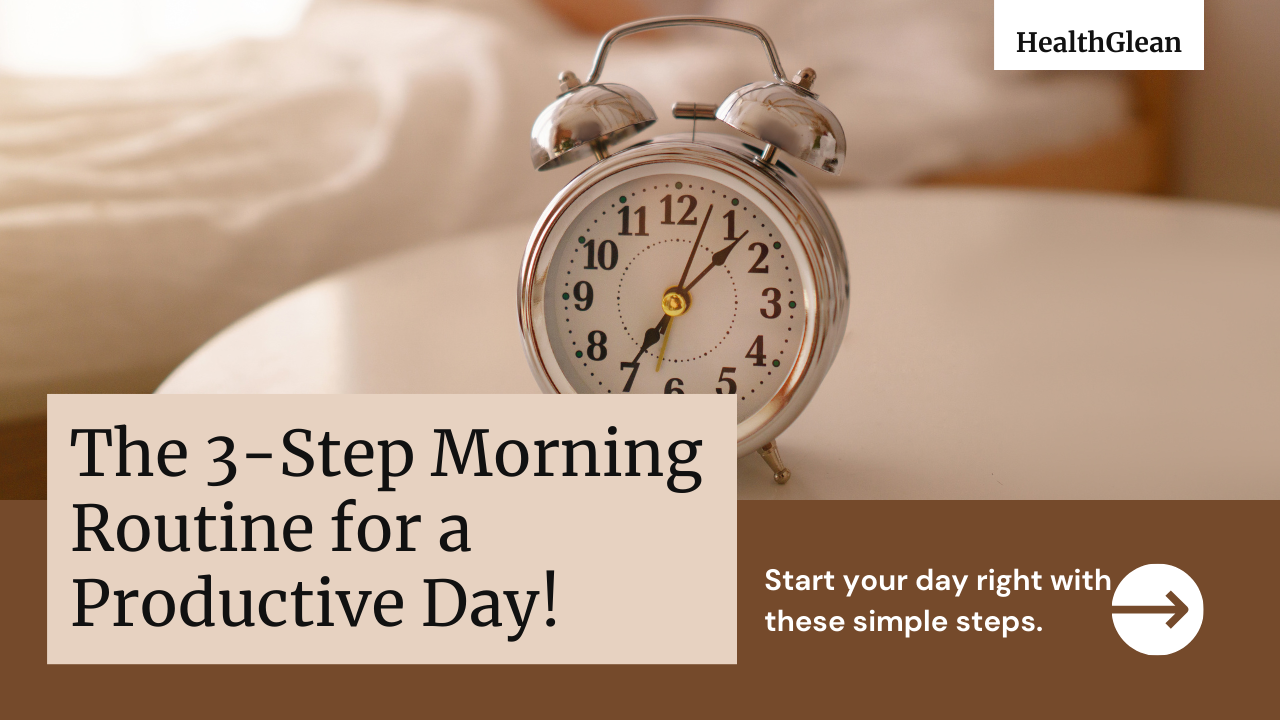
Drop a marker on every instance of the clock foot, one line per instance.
(771, 456)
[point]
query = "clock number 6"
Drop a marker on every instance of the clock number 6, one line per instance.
(772, 301)
(673, 387)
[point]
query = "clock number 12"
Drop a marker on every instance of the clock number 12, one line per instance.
(687, 218)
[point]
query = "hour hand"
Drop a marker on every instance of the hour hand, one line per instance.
(718, 259)
(652, 336)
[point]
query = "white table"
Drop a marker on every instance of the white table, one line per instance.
(1000, 345)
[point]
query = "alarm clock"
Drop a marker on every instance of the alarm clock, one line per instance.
(693, 262)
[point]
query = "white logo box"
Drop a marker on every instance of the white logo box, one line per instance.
(1099, 35)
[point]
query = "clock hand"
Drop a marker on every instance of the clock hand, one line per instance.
(696, 243)
(660, 330)
(652, 336)
(717, 260)
(663, 352)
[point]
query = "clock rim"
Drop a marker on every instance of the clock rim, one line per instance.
(801, 216)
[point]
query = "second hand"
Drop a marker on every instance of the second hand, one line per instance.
(665, 337)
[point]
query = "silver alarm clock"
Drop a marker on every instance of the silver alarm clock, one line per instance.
(690, 263)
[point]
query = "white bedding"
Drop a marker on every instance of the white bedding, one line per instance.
(139, 215)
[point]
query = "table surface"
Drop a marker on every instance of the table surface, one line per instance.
(1000, 345)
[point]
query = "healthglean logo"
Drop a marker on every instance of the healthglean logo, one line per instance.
(1098, 35)
(1120, 41)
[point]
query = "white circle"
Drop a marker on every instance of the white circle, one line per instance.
(1147, 587)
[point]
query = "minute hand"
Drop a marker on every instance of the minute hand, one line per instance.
(718, 259)
(693, 253)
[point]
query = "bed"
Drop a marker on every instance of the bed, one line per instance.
(141, 214)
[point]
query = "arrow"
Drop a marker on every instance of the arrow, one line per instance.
(1176, 611)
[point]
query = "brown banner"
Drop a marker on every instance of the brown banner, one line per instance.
(1075, 664)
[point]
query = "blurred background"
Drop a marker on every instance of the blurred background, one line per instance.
(166, 166)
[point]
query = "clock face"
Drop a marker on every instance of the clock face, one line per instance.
(673, 283)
